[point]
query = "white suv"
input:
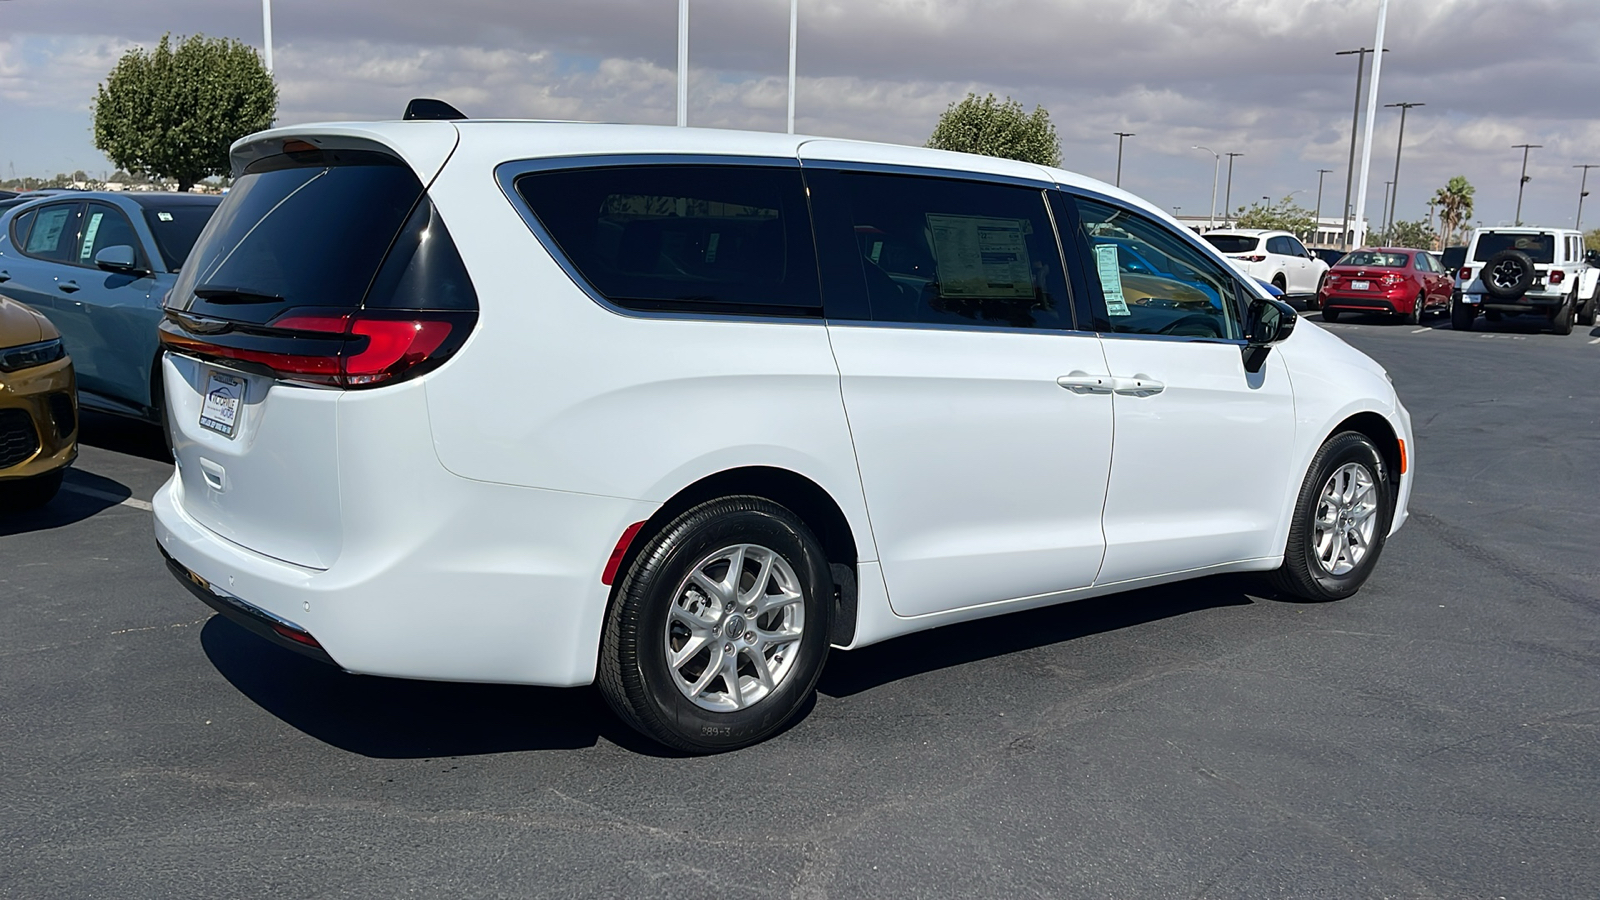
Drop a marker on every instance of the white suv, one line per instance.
(677, 410)
(1276, 257)
(1527, 270)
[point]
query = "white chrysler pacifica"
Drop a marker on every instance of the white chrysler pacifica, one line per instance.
(677, 410)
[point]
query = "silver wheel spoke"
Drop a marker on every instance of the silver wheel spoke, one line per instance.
(695, 644)
(762, 577)
(712, 669)
(763, 665)
(715, 589)
(730, 678)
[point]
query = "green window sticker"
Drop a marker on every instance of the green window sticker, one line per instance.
(1105, 257)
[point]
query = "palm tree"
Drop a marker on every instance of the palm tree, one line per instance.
(1454, 201)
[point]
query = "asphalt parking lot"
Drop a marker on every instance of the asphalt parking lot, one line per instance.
(1437, 735)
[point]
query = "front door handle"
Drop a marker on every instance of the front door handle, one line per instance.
(68, 287)
(1137, 386)
(1081, 382)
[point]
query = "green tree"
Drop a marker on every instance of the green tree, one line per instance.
(173, 112)
(1284, 215)
(1417, 235)
(998, 128)
(1454, 202)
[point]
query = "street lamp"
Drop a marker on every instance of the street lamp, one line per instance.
(1524, 181)
(1120, 135)
(1227, 196)
(1320, 173)
(1217, 157)
(1386, 186)
(1583, 192)
(1399, 144)
(1355, 126)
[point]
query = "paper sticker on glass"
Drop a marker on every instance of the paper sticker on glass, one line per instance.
(981, 258)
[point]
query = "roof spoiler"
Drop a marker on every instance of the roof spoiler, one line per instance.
(428, 108)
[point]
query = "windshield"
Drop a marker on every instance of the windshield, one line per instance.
(176, 229)
(1542, 247)
(1232, 243)
(1376, 260)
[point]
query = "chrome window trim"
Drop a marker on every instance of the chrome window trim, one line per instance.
(1041, 183)
(507, 173)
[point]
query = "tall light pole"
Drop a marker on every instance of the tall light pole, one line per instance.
(794, 19)
(1216, 166)
(1583, 192)
(683, 63)
(1355, 128)
(1385, 207)
(1120, 135)
(1524, 181)
(1227, 197)
(1372, 111)
(1318, 214)
(1399, 145)
(266, 31)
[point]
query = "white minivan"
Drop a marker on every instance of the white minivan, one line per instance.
(677, 410)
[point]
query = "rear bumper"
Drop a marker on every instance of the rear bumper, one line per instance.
(1366, 301)
(497, 584)
(1530, 302)
(252, 618)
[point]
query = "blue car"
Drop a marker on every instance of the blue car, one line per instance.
(97, 265)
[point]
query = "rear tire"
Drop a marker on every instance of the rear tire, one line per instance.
(1330, 315)
(30, 493)
(1462, 316)
(1415, 316)
(1341, 521)
(750, 641)
(1561, 322)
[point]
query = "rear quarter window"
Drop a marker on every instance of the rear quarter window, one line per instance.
(719, 239)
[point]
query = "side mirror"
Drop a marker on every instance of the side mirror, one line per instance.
(1592, 257)
(1266, 323)
(118, 258)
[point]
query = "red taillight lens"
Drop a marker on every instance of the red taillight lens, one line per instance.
(1557, 276)
(357, 350)
(1255, 257)
(1465, 273)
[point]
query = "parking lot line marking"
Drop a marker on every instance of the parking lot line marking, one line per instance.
(104, 495)
(1595, 341)
(1421, 330)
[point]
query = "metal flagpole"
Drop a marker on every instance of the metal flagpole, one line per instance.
(683, 63)
(1372, 104)
(794, 19)
(266, 31)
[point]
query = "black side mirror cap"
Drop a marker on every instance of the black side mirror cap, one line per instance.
(1267, 322)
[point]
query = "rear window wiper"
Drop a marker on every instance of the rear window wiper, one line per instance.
(218, 293)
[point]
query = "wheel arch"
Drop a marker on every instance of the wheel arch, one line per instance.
(1377, 429)
(795, 492)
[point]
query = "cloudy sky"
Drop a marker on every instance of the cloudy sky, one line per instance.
(1254, 76)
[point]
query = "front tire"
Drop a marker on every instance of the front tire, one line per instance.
(1341, 520)
(720, 628)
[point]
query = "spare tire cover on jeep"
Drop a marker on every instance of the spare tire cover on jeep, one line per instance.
(1508, 274)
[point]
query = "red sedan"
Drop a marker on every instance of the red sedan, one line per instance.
(1394, 280)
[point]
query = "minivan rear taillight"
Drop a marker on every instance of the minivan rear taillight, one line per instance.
(315, 347)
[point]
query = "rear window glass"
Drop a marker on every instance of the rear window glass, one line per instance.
(1542, 247)
(176, 230)
(1376, 260)
(694, 238)
(1232, 243)
(298, 230)
(19, 228)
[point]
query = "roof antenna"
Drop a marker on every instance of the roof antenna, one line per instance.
(428, 108)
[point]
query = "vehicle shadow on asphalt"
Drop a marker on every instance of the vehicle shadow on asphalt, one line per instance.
(123, 435)
(83, 495)
(396, 718)
(855, 671)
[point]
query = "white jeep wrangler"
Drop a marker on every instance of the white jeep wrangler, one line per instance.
(1527, 270)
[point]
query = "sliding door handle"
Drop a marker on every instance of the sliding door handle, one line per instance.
(1137, 386)
(1081, 382)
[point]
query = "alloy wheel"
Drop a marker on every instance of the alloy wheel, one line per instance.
(1347, 517)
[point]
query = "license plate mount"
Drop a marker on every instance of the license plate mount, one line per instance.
(219, 409)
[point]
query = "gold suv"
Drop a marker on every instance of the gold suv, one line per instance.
(38, 408)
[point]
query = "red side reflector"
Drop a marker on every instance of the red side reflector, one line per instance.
(299, 637)
(615, 562)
